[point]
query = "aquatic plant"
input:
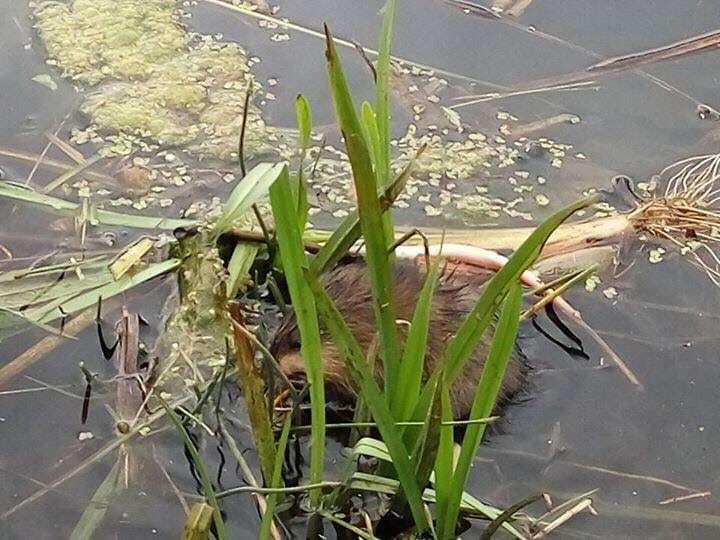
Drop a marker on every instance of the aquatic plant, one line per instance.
(413, 454)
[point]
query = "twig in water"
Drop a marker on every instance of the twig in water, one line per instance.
(266, 491)
(542, 125)
(496, 523)
(409, 234)
(563, 518)
(69, 175)
(243, 125)
(66, 148)
(550, 293)
(283, 23)
(44, 346)
(367, 60)
(519, 8)
(594, 468)
(173, 486)
(686, 497)
(44, 152)
(97, 456)
(618, 64)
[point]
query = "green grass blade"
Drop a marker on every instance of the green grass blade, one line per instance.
(250, 190)
(413, 359)
(444, 459)
(382, 115)
(303, 114)
(208, 489)
(370, 130)
(382, 94)
(463, 343)
(97, 508)
(486, 394)
(241, 260)
(46, 315)
(371, 218)
(365, 379)
(276, 481)
(349, 230)
(20, 192)
(294, 262)
(470, 505)
(468, 335)
(304, 122)
(427, 445)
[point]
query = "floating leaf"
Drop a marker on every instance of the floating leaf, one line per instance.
(46, 80)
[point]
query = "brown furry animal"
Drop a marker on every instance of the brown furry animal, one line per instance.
(349, 287)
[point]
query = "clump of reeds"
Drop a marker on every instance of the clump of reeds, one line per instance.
(412, 415)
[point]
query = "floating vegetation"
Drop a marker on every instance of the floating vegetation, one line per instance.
(92, 41)
(153, 82)
(188, 91)
(190, 95)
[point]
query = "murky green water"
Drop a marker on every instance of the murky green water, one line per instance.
(582, 427)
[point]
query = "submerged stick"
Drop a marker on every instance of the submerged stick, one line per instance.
(38, 351)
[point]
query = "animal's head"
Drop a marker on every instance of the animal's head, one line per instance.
(286, 348)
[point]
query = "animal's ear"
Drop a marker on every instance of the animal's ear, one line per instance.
(295, 340)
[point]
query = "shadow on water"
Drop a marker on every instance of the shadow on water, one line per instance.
(585, 426)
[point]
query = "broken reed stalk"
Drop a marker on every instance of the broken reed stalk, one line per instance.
(687, 215)
(253, 387)
(39, 350)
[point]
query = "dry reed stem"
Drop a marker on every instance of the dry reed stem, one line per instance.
(687, 214)
(47, 344)
(563, 518)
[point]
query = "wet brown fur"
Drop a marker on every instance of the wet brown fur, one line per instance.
(454, 298)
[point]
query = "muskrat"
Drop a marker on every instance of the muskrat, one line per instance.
(349, 287)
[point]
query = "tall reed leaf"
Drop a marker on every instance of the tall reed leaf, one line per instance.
(382, 106)
(349, 230)
(370, 214)
(239, 266)
(20, 192)
(304, 122)
(382, 95)
(365, 380)
(463, 343)
(370, 129)
(444, 459)
(64, 306)
(468, 335)
(413, 359)
(485, 397)
(275, 482)
(294, 263)
(303, 115)
(199, 464)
